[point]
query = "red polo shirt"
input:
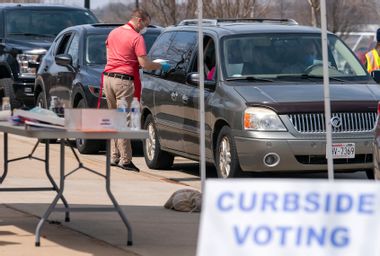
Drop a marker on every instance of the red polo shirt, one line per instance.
(123, 47)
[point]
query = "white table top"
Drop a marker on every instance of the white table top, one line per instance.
(51, 133)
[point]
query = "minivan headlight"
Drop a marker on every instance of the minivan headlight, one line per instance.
(25, 68)
(262, 119)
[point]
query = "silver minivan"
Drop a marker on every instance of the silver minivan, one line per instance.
(264, 103)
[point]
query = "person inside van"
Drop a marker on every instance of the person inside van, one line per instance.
(209, 60)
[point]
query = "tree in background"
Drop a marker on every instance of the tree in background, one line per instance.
(342, 15)
(170, 12)
(114, 13)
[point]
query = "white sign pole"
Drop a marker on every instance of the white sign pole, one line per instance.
(202, 160)
(326, 90)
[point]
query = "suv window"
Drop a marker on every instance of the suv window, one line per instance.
(44, 22)
(62, 45)
(74, 49)
(96, 49)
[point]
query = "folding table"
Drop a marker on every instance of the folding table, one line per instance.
(63, 135)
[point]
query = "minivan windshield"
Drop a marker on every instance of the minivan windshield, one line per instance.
(44, 22)
(287, 56)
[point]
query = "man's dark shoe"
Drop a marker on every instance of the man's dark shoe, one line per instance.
(129, 166)
(114, 162)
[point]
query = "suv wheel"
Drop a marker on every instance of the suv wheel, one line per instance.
(87, 146)
(226, 160)
(7, 85)
(41, 101)
(155, 158)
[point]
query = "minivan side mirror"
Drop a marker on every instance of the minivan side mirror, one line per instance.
(193, 79)
(63, 60)
(376, 75)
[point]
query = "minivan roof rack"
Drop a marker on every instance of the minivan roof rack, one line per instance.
(215, 22)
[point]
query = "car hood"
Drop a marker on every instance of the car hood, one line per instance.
(298, 98)
(25, 45)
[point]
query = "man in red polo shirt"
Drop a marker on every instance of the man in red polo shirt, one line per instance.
(125, 53)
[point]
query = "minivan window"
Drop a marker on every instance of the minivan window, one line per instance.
(160, 47)
(182, 46)
(179, 54)
(279, 55)
(44, 22)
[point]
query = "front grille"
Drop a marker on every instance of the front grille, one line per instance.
(321, 159)
(350, 122)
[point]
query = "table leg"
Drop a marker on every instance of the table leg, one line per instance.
(55, 187)
(58, 196)
(5, 165)
(108, 188)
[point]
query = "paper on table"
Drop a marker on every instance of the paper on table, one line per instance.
(37, 124)
(160, 61)
(39, 117)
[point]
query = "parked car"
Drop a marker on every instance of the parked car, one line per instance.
(26, 32)
(264, 105)
(71, 70)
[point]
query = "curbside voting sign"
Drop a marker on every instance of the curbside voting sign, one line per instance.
(290, 218)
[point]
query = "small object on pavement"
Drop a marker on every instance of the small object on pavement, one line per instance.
(185, 200)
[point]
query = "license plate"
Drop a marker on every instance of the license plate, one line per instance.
(343, 150)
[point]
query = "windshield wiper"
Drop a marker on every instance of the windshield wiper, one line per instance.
(306, 76)
(249, 78)
(31, 34)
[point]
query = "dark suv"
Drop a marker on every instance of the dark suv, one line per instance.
(264, 99)
(26, 32)
(72, 68)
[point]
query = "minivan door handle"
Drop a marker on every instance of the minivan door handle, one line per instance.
(174, 96)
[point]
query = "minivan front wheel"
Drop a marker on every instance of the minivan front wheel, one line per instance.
(155, 158)
(226, 159)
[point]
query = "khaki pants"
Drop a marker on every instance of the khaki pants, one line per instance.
(115, 89)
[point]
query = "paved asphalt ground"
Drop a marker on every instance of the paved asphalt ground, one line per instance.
(156, 230)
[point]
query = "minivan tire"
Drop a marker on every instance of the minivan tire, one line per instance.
(226, 159)
(155, 157)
